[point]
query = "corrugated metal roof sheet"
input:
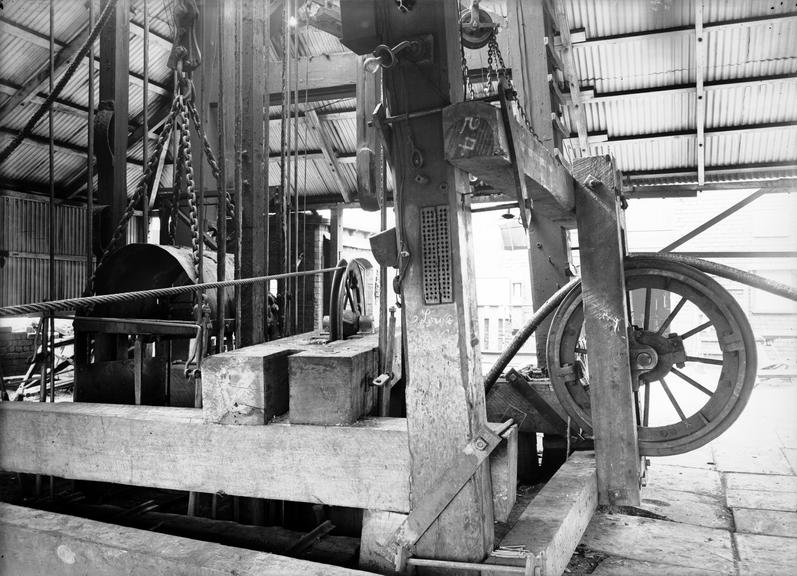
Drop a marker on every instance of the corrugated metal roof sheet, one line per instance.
(647, 62)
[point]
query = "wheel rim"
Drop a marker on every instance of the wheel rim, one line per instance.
(679, 407)
(347, 300)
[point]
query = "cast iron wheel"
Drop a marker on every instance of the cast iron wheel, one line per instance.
(346, 301)
(692, 351)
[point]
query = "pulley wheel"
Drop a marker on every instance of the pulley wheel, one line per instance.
(346, 301)
(478, 37)
(693, 356)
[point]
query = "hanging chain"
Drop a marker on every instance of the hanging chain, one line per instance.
(211, 157)
(470, 94)
(144, 184)
(494, 51)
(202, 305)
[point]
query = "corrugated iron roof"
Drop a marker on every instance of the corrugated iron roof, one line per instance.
(608, 64)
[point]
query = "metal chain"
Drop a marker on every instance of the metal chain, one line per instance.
(202, 306)
(494, 50)
(470, 94)
(211, 157)
(143, 185)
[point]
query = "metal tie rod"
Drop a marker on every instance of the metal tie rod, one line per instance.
(72, 303)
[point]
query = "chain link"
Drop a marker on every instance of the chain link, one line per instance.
(211, 157)
(144, 184)
(470, 94)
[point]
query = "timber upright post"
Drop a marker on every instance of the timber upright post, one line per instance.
(114, 85)
(549, 251)
(445, 392)
(254, 194)
(602, 248)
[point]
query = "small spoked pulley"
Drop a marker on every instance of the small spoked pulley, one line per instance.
(347, 311)
(692, 354)
(476, 26)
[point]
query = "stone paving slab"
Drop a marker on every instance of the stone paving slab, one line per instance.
(671, 477)
(760, 482)
(687, 507)
(767, 522)
(760, 500)
(649, 540)
(766, 555)
(760, 461)
(626, 567)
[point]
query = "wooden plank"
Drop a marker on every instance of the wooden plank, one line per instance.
(330, 385)
(648, 540)
(605, 323)
(667, 477)
(503, 474)
(504, 402)
(321, 77)
(362, 466)
(765, 555)
(249, 385)
(135, 326)
(768, 522)
(551, 526)
(36, 542)
(475, 141)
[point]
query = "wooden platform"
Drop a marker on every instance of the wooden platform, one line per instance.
(365, 465)
(35, 542)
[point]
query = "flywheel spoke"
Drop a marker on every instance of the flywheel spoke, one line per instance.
(646, 410)
(686, 378)
(673, 400)
(704, 360)
(671, 316)
(695, 330)
(646, 315)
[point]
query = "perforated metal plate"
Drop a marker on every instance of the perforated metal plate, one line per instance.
(444, 255)
(436, 250)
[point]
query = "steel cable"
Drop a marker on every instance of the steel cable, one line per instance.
(74, 303)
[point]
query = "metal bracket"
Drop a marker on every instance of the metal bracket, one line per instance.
(446, 487)
(524, 202)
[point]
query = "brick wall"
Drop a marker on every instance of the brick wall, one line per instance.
(15, 352)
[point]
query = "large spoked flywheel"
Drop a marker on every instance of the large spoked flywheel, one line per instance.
(692, 352)
(346, 301)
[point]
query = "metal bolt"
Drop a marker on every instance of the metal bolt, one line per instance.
(644, 360)
(480, 444)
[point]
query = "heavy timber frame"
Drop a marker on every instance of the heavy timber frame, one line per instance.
(386, 466)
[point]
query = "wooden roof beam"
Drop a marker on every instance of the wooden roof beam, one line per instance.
(323, 77)
(602, 138)
(66, 53)
(329, 153)
(700, 93)
(677, 30)
(589, 96)
(578, 113)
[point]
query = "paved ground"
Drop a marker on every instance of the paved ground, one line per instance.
(727, 508)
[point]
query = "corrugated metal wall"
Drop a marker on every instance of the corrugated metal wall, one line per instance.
(23, 236)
